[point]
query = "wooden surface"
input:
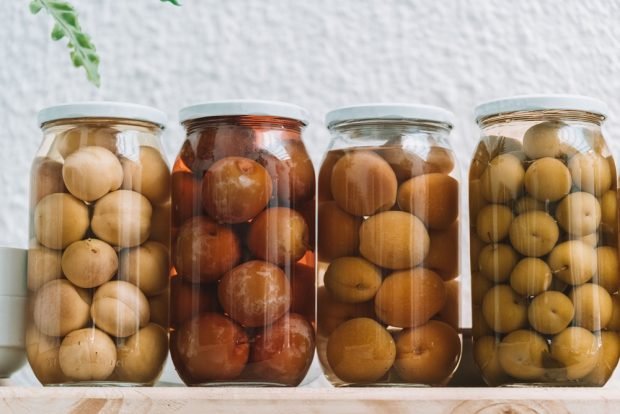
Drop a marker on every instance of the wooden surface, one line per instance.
(308, 400)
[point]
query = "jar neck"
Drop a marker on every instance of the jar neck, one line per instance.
(546, 115)
(388, 128)
(251, 121)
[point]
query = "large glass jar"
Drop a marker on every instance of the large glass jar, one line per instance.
(98, 263)
(243, 306)
(544, 259)
(388, 247)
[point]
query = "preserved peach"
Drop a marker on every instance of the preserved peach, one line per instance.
(443, 252)
(46, 178)
(338, 232)
(352, 279)
(433, 198)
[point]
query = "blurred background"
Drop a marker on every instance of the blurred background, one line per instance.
(319, 54)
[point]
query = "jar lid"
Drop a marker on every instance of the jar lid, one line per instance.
(13, 264)
(120, 110)
(540, 103)
(244, 107)
(390, 111)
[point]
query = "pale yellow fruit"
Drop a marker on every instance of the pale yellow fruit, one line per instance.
(487, 359)
(502, 180)
(550, 312)
(608, 275)
(591, 173)
(496, 262)
(593, 306)
(577, 349)
(527, 203)
(504, 310)
(543, 139)
(573, 262)
(521, 354)
(579, 213)
(547, 179)
(534, 233)
(493, 223)
(531, 276)
(607, 361)
(609, 210)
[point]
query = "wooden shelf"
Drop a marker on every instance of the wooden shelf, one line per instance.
(311, 400)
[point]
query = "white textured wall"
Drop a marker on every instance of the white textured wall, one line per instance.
(316, 53)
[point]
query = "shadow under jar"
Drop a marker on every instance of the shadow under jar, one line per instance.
(544, 259)
(98, 262)
(388, 248)
(243, 290)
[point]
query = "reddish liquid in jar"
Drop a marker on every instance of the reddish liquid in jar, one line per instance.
(388, 266)
(262, 302)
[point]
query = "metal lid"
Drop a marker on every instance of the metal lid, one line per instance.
(540, 103)
(389, 111)
(244, 107)
(121, 110)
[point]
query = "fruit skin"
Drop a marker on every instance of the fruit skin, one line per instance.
(573, 262)
(360, 351)
(363, 183)
(331, 313)
(205, 250)
(235, 189)
(278, 235)
(543, 140)
(443, 253)
(608, 359)
(146, 266)
(579, 214)
(493, 223)
(44, 265)
(325, 175)
(148, 175)
(352, 279)
(142, 357)
(59, 220)
(188, 300)
(89, 263)
(46, 179)
(209, 347)
(528, 203)
(433, 198)
(255, 293)
(590, 172)
(186, 196)
(497, 261)
(42, 353)
(60, 308)
(593, 306)
(338, 232)
(547, 179)
(521, 354)
(120, 309)
(577, 349)
(609, 211)
(608, 268)
(282, 352)
(534, 233)
(502, 180)
(91, 172)
(550, 312)
(504, 310)
(87, 355)
(402, 237)
(486, 357)
(409, 298)
(531, 276)
(427, 354)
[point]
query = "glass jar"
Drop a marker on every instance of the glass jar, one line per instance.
(243, 306)
(388, 247)
(98, 263)
(544, 260)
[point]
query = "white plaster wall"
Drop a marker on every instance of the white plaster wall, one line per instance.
(316, 53)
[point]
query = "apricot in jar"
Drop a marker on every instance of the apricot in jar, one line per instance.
(255, 293)
(433, 198)
(608, 268)
(504, 310)
(497, 261)
(338, 233)
(531, 276)
(325, 175)
(91, 172)
(502, 180)
(282, 353)
(427, 354)
(550, 312)
(493, 223)
(577, 349)
(278, 235)
(394, 240)
(443, 253)
(46, 179)
(521, 354)
(59, 308)
(534, 233)
(148, 174)
(332, 313)
(363, 183)
(579, 214)
(543, 140)
(591, 173)
(59, 220)
(608, 359)
(352, 279)
(235, 189)
(210, 347)
(409, 298)
(547, 179)
(593, 306)
(360, 350)
(573, 262)
(205, 250)
(189, 300)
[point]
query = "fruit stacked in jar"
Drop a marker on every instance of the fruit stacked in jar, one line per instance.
(242, 306)
(388, 247)
(98, 263)
(544, 259)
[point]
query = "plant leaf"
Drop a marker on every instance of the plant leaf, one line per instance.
(175, 2)
(66, 24)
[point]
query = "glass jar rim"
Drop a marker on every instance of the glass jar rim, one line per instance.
(390, 111)
(102, 109)
(533, 103)
(240, 107)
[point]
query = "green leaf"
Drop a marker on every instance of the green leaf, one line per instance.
(175, 2)
(66, 24)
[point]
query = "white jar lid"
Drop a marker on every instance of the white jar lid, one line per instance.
(244, 107)
(389, 111)
(13, 271)
(540, 103)
(119, 110)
